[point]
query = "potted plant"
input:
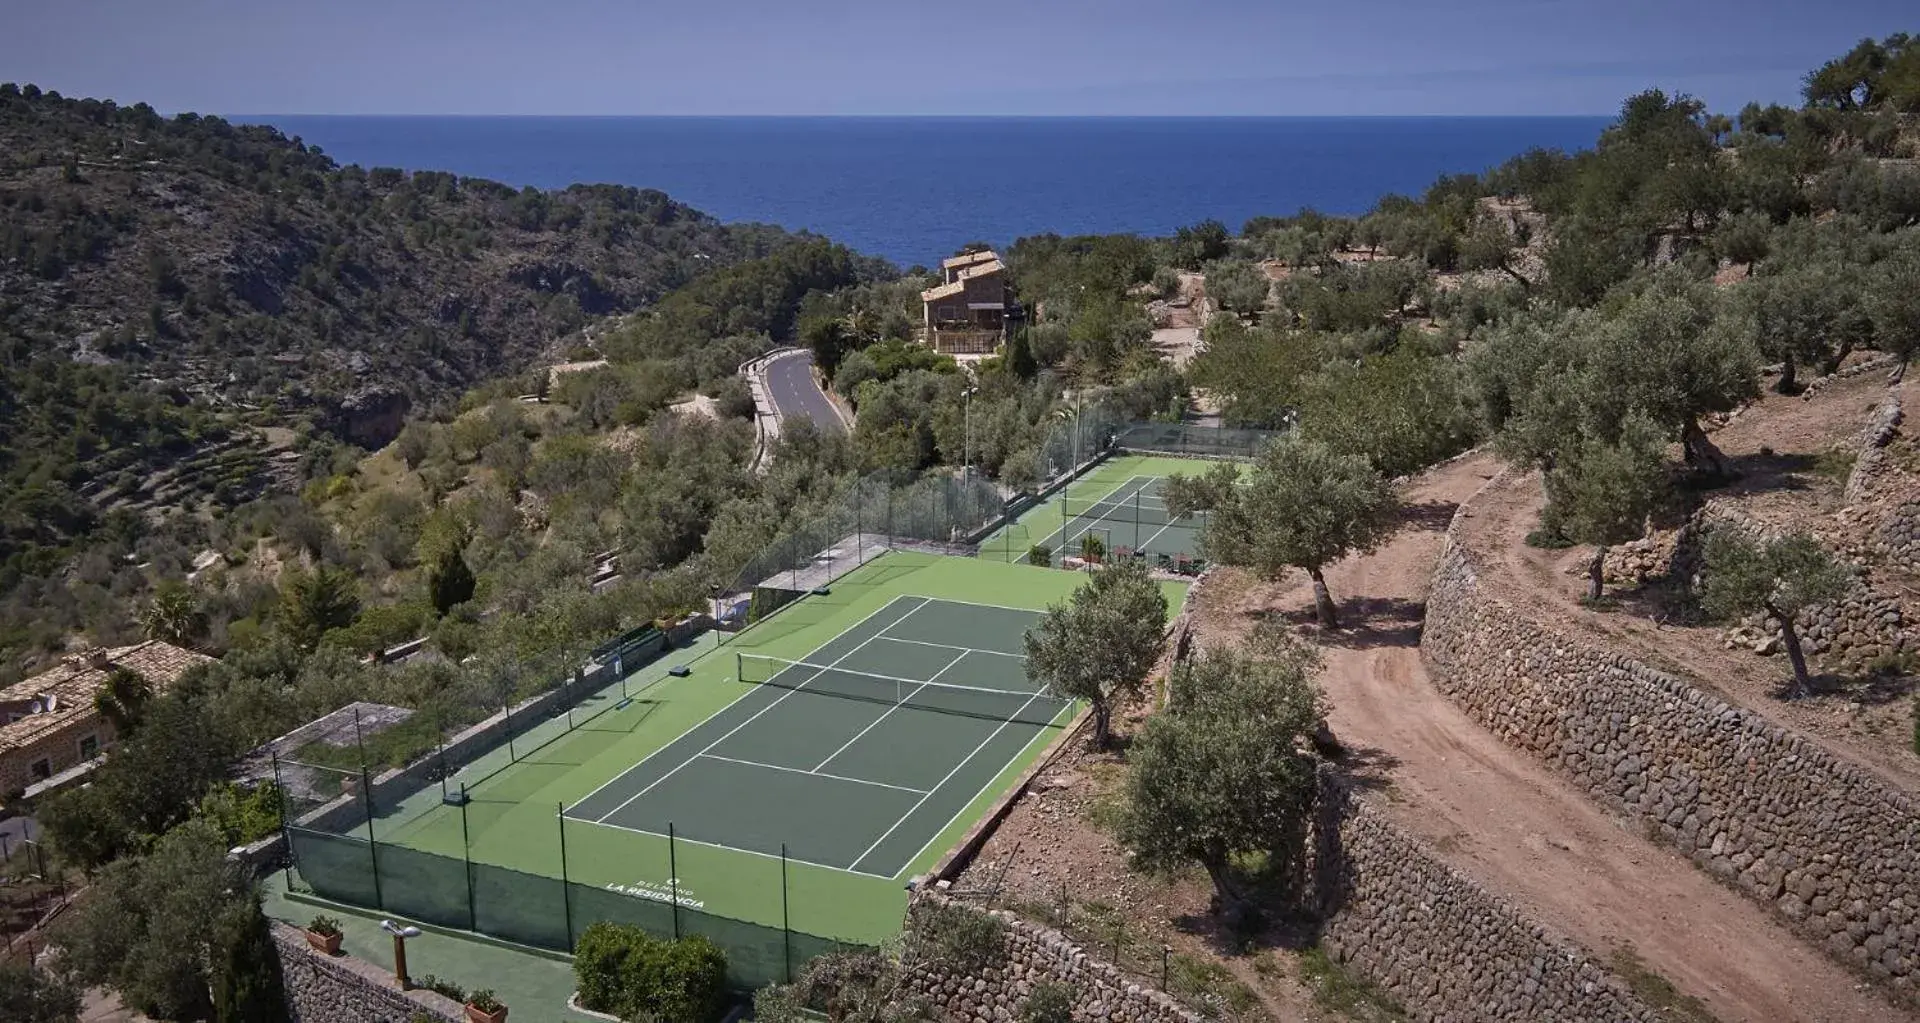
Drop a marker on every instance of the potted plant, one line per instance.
(482, 1007)
(323, 933)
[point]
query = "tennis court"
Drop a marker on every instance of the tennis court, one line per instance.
(1131, 521)
(856, 756)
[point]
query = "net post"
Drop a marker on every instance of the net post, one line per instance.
(786, 921)
(673, 880)
(566, 883)
(466, 859)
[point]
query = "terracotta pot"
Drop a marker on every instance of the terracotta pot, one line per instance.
(327, 943)
(476, 1016)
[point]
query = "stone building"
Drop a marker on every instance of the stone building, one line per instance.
(968, 312)
(50, 722)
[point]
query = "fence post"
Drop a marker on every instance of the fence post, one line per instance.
(473, 915)
(507, 706)
(673, 881)
(373, 844)
(786, 921)
(566, 883)
(286, 834)
(359, 740)
(1165, 950)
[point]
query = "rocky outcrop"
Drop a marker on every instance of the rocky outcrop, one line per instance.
(1826, 845)
(341, 989)
(370, 417)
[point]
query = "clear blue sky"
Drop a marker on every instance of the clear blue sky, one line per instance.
(917, 57)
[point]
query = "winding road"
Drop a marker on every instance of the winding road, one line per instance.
(791, 386)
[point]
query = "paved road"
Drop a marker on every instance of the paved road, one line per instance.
(795, 395)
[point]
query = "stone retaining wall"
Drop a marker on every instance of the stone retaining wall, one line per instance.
(1037, 955)
(1436, 942)
(1830, 848)
(341, 989)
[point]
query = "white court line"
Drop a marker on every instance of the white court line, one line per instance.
(876, 611)
(730, 848)
(1062, 531)
(816, 773)
(950, 646)
(942, 829)
(1090, 522)
(956, 770)
(897, 704)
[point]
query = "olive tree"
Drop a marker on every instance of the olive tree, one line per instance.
(1101, 642)
(1779, 578)
(1601, 493)
(1300, 505)
(1225, 774)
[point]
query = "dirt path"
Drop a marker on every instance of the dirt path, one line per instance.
(1869, 730)
(1502, 818)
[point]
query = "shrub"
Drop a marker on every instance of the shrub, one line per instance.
(1040, 554)
(442, 986)
(625, 971)
(1049, 1003)
(323, 925)
(968, 940)
(484, 1000)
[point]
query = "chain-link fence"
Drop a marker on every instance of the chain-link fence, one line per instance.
(876, 513)
(336, 774)
(551, 910)
(1192, 440)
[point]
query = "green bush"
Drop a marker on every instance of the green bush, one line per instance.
(1049, 1003)
(627, 972)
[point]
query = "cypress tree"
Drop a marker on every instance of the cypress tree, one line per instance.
(247, 986)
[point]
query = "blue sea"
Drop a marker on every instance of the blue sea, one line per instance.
(913, 189)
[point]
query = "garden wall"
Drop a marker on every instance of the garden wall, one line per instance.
(1830, 848)
(341, 989)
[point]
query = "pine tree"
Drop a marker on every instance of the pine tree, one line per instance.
(450, 583)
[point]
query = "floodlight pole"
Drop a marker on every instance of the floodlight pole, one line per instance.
(473, 924)
(966, 434)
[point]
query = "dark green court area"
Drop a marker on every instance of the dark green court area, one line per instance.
(856, 756)
(1132, 524)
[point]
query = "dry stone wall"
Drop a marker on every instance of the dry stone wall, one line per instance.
(1037, 955)
(1437, 943)
(1832, 849)
(341, 989)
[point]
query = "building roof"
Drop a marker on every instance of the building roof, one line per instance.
(63, 695)
(969, 259)
(960, 284)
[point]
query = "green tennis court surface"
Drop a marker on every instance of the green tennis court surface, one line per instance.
(1118, 502)
(880, 721)
(855, 756)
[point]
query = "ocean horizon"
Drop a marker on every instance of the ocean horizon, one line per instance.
(913, 189)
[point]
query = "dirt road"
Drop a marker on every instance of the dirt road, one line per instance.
(1502, 818)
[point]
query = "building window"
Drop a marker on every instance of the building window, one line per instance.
(42, 770)
(89, 747)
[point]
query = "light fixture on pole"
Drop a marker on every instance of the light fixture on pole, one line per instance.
(401, 933)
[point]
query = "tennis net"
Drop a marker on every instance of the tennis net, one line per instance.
(1147, 511)
(1033, 707)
